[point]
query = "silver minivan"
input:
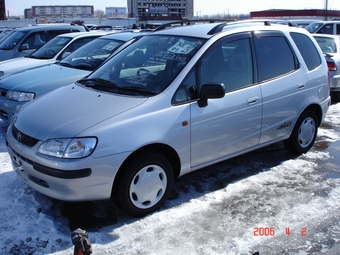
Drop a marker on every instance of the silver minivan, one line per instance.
(175, 101)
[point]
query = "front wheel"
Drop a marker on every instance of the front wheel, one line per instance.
(304, 133)
(144, 184)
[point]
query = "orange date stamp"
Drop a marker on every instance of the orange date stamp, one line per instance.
(270, 231)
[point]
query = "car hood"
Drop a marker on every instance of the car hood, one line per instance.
(42, 79)
(69, 110)
(20, 64)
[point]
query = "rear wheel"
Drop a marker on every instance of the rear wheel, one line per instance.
(304, 133)
(144, 184)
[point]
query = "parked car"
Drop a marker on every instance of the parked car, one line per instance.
(101, 27)
(51, 52)
(23, 41)
(22, 87)
(330, 46)
(303, 22)
(175, 101)
(324, 27)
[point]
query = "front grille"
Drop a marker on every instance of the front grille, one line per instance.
(23, 138)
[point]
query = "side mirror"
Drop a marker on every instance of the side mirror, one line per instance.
(210, 90)
(24, 47)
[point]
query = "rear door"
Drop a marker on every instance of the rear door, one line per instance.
(283, 83)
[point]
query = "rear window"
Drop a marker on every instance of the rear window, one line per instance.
(307, 49)
(326, 44)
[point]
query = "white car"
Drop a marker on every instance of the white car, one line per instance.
(175, 101)
(330, 45)
(51, 52)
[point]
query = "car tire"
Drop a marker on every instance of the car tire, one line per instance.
(303, 135)
(144, 184)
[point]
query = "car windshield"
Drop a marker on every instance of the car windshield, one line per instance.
(12, 40)
(51, 48)
(312, 27)
(91, 55)
(146, 67)
(5, 34)
(326, 44)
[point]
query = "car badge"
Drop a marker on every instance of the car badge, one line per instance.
(19, 136)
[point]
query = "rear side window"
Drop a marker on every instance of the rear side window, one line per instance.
(307, 49)
(338, 29)
(274, 57)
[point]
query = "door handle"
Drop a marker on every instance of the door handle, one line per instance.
(253, 100)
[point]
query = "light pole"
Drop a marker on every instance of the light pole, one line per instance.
(228, 12)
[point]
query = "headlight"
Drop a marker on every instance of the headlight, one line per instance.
(19, 96)
(68, 148)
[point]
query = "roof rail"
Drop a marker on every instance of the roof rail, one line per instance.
(187, 22)
(266, 22)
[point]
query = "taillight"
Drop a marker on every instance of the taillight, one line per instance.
(331, 66)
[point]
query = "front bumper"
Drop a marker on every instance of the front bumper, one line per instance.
(8, 107)
(67, 180)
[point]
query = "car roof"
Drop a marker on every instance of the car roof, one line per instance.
(196, 30)
(209, 29)
(84, 34)
(325, 35)
(124, 36)
(43, 27)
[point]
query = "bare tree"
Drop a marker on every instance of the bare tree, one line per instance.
(99, 13)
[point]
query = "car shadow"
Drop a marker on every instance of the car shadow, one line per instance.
(92, 216)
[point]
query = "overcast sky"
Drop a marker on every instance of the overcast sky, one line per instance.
(201, 7)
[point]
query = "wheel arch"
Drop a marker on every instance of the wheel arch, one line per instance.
(317, 111)
(164, 149)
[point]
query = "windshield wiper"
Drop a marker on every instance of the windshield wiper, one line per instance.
(65, 64)
(98, 83)
(140, 89)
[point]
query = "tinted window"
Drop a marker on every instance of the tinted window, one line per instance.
(338, 29)
(274, 57)
(307, 49)
(34, 41)
(228, 62)
(326, 29)
(327, 44)
(311, 28)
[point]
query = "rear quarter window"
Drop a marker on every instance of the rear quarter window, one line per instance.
(307, 49)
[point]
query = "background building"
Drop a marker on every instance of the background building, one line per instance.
(2, 10)
(116, 12)
(173, 9)
(295, 14)
(62, 11)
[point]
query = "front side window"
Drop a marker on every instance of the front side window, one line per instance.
(312, 27)
(274, 57)
(34, 41)
(146, 67)
(326, 29)
(228, 62)
(51, 48)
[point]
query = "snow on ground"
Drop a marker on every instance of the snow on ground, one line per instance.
(213, 212)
